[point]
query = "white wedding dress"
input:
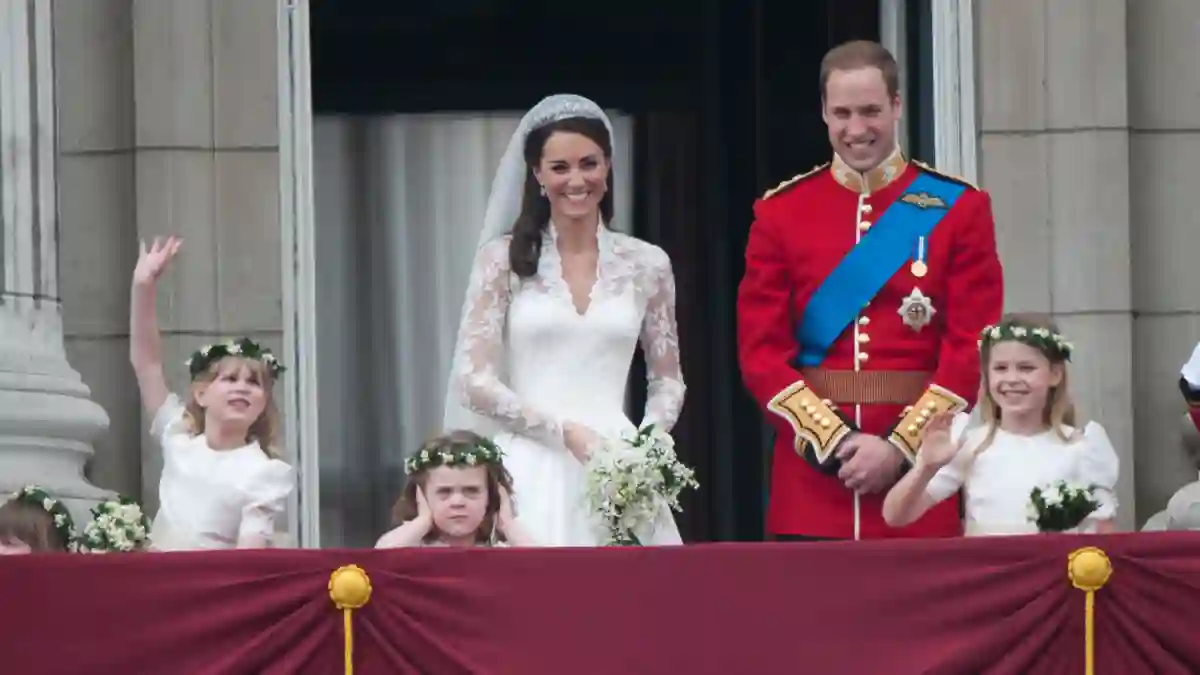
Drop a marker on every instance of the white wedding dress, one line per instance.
(529, 361)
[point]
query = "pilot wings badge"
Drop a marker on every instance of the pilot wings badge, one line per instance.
(923, 200)
(916, 310)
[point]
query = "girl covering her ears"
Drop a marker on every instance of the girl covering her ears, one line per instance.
(1029, 438)
(458, 494)
(223, 485)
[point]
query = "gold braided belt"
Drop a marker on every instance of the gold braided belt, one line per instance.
(846, 387)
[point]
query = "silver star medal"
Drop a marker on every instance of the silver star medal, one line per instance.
(916, 310)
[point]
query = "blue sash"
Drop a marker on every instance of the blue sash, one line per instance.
(879, 254)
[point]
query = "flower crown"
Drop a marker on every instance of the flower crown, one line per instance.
(1047, 341)
(118, 525)
(243, 347)
(63, 523)
(459, 454)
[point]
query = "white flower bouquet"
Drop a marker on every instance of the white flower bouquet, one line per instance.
(1062, 506)
(629, 479)
(117, 526)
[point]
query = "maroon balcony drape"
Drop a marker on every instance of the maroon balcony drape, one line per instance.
(946, 607)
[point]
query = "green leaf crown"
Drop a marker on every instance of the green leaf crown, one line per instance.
(242, 347)
(63, 523)
(1052, 344)
(458, 454)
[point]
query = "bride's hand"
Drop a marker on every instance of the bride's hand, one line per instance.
(580, 440)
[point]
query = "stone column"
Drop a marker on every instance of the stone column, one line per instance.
(47, 418)
(1163, 150)
(1055, 157)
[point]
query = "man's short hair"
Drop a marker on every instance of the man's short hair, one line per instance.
(861, 54)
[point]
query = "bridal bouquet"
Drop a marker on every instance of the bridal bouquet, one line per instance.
(1062, 506)
(629, 478)
(118, 526)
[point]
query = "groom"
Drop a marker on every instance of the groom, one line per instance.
(868, 281)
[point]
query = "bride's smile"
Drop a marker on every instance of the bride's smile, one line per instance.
(574, 174)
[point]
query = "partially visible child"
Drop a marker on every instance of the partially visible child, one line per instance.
(34, 522)
(1028, 439)
(1189, 384)
(457, 495)
(223, 485)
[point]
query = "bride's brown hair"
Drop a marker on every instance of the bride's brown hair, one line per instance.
(525, 248)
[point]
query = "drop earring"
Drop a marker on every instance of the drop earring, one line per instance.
(542, 190)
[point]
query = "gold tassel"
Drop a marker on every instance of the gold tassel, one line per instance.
(350, 589)
(1089, 568)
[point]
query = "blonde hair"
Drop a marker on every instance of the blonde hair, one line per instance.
(1060, 408)
(265, 429)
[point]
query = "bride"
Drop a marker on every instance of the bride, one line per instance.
(555, 307)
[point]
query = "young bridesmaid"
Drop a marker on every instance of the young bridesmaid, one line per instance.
(457, 495)
(1028, 439)
(223, 485)
(34, 522)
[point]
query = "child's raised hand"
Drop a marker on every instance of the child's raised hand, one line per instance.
(153, 262)
(937, 448)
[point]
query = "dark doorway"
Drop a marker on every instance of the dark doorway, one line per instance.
(726, 104)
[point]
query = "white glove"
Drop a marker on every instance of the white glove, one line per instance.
(1191, 369)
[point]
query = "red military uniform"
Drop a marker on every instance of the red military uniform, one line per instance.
(909, 351)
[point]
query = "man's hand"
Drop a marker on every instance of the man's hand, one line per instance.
(869, 463)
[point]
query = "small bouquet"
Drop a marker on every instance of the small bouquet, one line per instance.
(118, 526)
(1061, 507)
(630, 478)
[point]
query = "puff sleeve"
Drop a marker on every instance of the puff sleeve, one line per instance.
(168, 422)
(266, 492)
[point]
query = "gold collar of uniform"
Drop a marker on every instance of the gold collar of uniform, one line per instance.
(872, 181)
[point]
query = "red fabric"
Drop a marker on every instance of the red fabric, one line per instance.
(798, 237)
(991, 606)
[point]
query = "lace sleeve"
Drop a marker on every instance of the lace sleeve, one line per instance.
(660, 342)
(479, 354)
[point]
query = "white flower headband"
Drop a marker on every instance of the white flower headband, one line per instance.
(244, 347)
(1048, 342)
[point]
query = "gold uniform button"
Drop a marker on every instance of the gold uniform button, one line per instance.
(866, 208)
(863, 356)
(863, 338)
(864, 226)
(862, 321)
